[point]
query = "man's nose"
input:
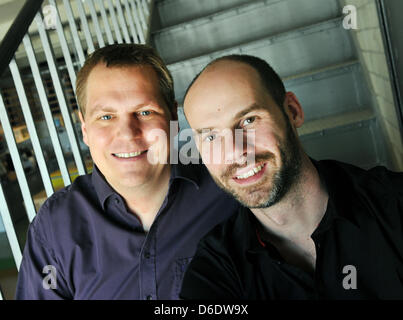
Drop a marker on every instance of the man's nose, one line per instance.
(129, 127)
(237, 147)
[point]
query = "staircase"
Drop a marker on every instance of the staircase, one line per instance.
(306, 44)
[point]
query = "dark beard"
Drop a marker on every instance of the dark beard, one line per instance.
(283, 180)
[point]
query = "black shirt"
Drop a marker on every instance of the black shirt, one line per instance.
(359, 247)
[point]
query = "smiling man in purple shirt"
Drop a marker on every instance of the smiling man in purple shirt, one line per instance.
(129, 229)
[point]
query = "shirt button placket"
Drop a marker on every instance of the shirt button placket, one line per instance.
(148, 269)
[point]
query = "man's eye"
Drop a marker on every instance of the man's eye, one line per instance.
(106, 117)
(248, 121)
(210, 137)
(145, 113)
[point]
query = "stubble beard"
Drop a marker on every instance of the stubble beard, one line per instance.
(274, 186)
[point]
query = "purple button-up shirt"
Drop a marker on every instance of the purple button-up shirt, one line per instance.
(85, 244)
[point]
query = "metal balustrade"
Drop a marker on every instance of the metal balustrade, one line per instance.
(51, 39)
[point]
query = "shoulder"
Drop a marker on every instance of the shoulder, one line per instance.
(230, 236)
(372, 198)
(205, 185)
(377, 181)
(62, 208)
(69, 197)
(213, 272)
(195, 171)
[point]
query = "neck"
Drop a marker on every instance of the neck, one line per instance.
(145, 201)
(295, 217)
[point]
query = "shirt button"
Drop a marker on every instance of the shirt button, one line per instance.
(149, 297)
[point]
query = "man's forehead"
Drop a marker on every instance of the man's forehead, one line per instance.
(226, 74)
(102, 67)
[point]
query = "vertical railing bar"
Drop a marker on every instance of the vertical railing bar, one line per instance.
(10, 231)
(122, 21)
(46, 111)
(106, 22)
(130, 19)
(15, 158)
(94, 17)
(141, 13)
(137, 22)
(60, 96)
(73, 27)
(43, 170)
(65, 47)
(145, 7)
(114, 21)
(87, 33)
(1, 294)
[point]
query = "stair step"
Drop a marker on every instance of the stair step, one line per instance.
(173, 12)
(240, 25)
(332, 122)
(357, 142)
(325, 93)
(331, 90)
(290, 53)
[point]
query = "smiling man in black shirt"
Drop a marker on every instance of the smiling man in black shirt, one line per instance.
(308, 229)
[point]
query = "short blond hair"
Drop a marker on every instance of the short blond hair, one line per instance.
(121, 55)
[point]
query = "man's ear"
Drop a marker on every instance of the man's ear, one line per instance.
(83, 128)
(293, 109)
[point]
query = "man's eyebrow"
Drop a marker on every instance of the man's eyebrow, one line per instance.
(252, 107)
(99, 107)
(203, 130)
(240, 114)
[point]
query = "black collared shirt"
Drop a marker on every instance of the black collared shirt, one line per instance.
(98, 249)
(359, 247)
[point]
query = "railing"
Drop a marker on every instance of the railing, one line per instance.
(39, 57)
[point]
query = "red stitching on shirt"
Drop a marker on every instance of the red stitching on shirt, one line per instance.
(260, 239)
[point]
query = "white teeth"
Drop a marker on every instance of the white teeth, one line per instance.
(250, 173)
(127, 155)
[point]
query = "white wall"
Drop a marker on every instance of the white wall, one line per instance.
(372, 55)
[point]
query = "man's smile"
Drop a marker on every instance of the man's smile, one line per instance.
(129, 155)
(251, 175)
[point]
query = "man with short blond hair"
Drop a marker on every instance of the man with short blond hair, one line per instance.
(129, 229)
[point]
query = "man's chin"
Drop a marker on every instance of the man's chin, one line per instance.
(253, 200)
(251, 197)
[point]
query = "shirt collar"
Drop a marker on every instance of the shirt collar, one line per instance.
(188, 173)
(340, 189)
(338, 186)
(102, 187)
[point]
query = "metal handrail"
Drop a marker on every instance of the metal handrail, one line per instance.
(17, 31)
